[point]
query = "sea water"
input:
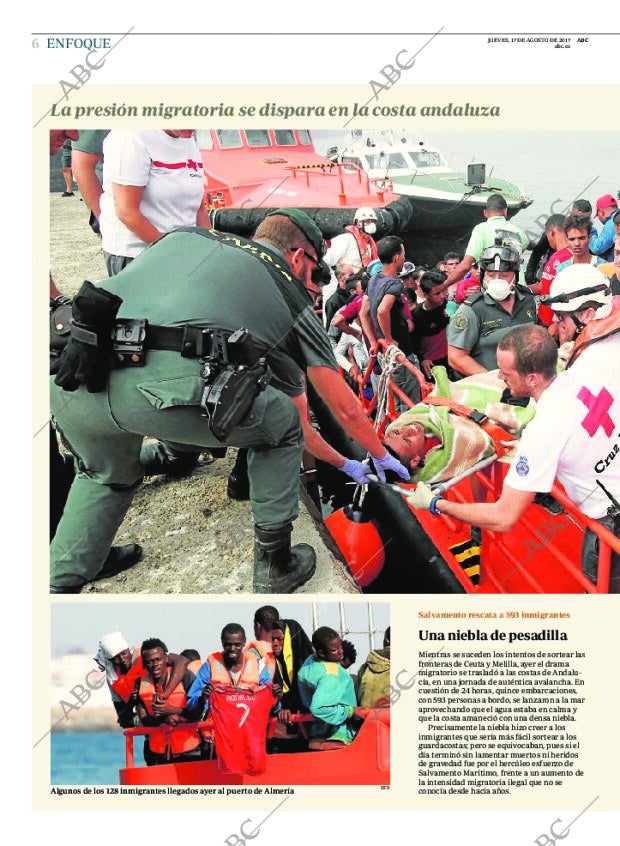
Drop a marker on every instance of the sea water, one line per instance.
(89, 757)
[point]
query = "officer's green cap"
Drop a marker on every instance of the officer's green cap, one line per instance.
(306, 225)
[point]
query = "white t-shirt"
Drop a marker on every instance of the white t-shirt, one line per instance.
(171, 172)
(342, 248)
(575, 435)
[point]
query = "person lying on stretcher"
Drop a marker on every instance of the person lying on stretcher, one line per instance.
(437, 440)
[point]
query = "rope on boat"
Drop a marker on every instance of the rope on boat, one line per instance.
(388, 366)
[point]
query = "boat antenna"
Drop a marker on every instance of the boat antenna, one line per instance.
(371, 627)
(343, 619)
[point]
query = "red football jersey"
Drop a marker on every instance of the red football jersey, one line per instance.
(240, 718)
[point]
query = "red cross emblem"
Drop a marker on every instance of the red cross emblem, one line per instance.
(598, 411)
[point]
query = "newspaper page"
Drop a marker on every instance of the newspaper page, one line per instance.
(495, 716)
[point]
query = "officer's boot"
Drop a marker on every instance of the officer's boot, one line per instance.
(278, 567)
(238, 486)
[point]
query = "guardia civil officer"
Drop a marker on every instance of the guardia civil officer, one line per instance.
(484, 318)
(224, 317)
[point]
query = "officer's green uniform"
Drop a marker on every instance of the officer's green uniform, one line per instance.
(186, 278)
(480, 323)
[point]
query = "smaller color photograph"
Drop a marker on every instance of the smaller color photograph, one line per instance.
(220, 693)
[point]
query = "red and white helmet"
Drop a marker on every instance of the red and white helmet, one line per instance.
(579, 286)
(364, 213)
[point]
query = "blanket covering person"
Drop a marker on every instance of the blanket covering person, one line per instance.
(462, 442)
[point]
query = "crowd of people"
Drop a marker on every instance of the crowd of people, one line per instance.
(279, 673)
(182, 302)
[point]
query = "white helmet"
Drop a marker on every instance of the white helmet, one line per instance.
(579, 286)
(365, 213)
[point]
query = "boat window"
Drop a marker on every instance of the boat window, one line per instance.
(258, 137)
(228, 138)
(351, 160)
(304, 136)
(285, 137)
(426, 158)
(204, 139)
(394, 161)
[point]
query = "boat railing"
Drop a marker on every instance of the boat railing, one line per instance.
(206, 728)
(608, 543)
(340, 170)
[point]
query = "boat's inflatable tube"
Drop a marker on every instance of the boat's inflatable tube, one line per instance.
(391, 219)
(415, 563)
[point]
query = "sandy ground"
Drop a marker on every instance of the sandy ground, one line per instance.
(195, 539)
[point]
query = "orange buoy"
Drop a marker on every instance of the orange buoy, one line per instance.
(359, 542)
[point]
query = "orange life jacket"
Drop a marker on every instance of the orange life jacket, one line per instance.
(365, 244)
(180, 740)
(220, 674)
(263, 647)
(194, 666)
(595, 330)
(124, 684)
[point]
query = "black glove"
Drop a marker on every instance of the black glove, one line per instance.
(89, 356)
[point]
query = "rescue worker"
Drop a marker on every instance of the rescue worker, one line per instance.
(484, 318)
(192, 288)
(356, 245)
(574, 435)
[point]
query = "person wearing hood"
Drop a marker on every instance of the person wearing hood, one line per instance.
(373, 679)
(485, 317)
(123, 668)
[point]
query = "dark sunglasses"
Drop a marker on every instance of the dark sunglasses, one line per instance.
(320, 274)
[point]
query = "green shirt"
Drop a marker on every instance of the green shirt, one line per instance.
(185, 278)
(91, 141)
(483, 235)
(480, 323)
(327, 691)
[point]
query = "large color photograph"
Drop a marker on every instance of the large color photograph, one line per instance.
(366, 361)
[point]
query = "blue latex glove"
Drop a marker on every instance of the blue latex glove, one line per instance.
(390, 463)
(358, 471)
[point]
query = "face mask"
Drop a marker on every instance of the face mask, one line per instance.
(498, 289)
(370, 227)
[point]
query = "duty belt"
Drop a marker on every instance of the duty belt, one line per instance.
(133, 337)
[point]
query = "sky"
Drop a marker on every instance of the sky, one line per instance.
(196, 624)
